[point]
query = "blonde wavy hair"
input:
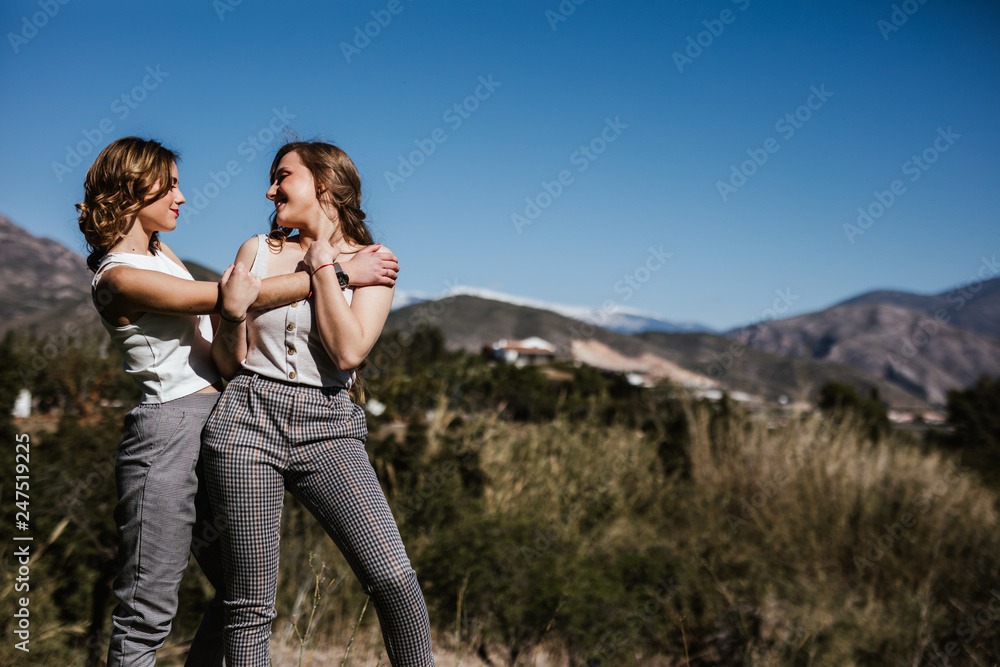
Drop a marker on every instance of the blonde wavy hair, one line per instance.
(338, 186)
(120, 183)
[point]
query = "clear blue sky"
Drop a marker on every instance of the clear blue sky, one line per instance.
(204, 77)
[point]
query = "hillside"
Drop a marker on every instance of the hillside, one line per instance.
(470, 322)
(770, 375)
(37, 274)
(902, 345)
(621, 319)
(974, 305)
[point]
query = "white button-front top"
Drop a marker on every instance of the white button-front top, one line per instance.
(282, 342)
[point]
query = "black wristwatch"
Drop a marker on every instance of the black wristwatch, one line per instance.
(342, 276)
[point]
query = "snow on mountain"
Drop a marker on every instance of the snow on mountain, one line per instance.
(616, 318)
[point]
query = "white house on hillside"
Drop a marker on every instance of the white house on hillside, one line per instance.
(533, 350)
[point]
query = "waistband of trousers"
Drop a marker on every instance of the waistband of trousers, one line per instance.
(190, 402)
(251, 379)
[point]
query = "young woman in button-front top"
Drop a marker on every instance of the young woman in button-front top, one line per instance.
(286, 420)
(158, 318)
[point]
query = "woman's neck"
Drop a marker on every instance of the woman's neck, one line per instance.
(324, 229)
(136, 241)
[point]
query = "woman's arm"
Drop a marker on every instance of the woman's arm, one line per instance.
(372, 265)
(127, 292)
(131, 291)
(238, 288)
(348, 332)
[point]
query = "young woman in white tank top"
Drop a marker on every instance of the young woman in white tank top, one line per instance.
(162, 320)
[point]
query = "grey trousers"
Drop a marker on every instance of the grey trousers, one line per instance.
(267, 436)
(162, 502)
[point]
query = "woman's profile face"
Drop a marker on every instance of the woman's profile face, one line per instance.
(161, 215)
(293, 192)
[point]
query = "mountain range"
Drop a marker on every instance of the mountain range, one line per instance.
(924, 344)
(622, 319)
(911, 348)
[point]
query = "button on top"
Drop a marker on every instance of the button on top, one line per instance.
(295, 304)
(291, 350)
(290, 327)
(292, 375)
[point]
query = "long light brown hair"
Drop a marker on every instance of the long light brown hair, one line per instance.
(118, 185)
(338, 186)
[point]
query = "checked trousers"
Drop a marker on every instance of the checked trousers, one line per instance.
(267, 436)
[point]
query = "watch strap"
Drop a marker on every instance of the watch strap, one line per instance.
(342, 276)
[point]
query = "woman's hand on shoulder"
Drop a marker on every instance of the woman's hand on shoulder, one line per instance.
(372, 265)
(239, 289)
(319, 254)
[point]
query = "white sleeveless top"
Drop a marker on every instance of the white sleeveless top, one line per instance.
(283, 343)
(168, 356)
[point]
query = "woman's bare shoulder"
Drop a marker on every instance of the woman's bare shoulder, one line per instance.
(352, 251)
(165, 249)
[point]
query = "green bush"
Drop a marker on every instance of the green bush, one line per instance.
(974, 416)
(841, 401)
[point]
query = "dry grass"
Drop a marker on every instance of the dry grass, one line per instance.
(805, 545)
(768, 539)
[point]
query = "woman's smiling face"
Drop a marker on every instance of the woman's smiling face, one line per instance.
(293, 192)
(161, 215)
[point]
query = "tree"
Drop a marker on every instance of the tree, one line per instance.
(974, 413)
(842, 401)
